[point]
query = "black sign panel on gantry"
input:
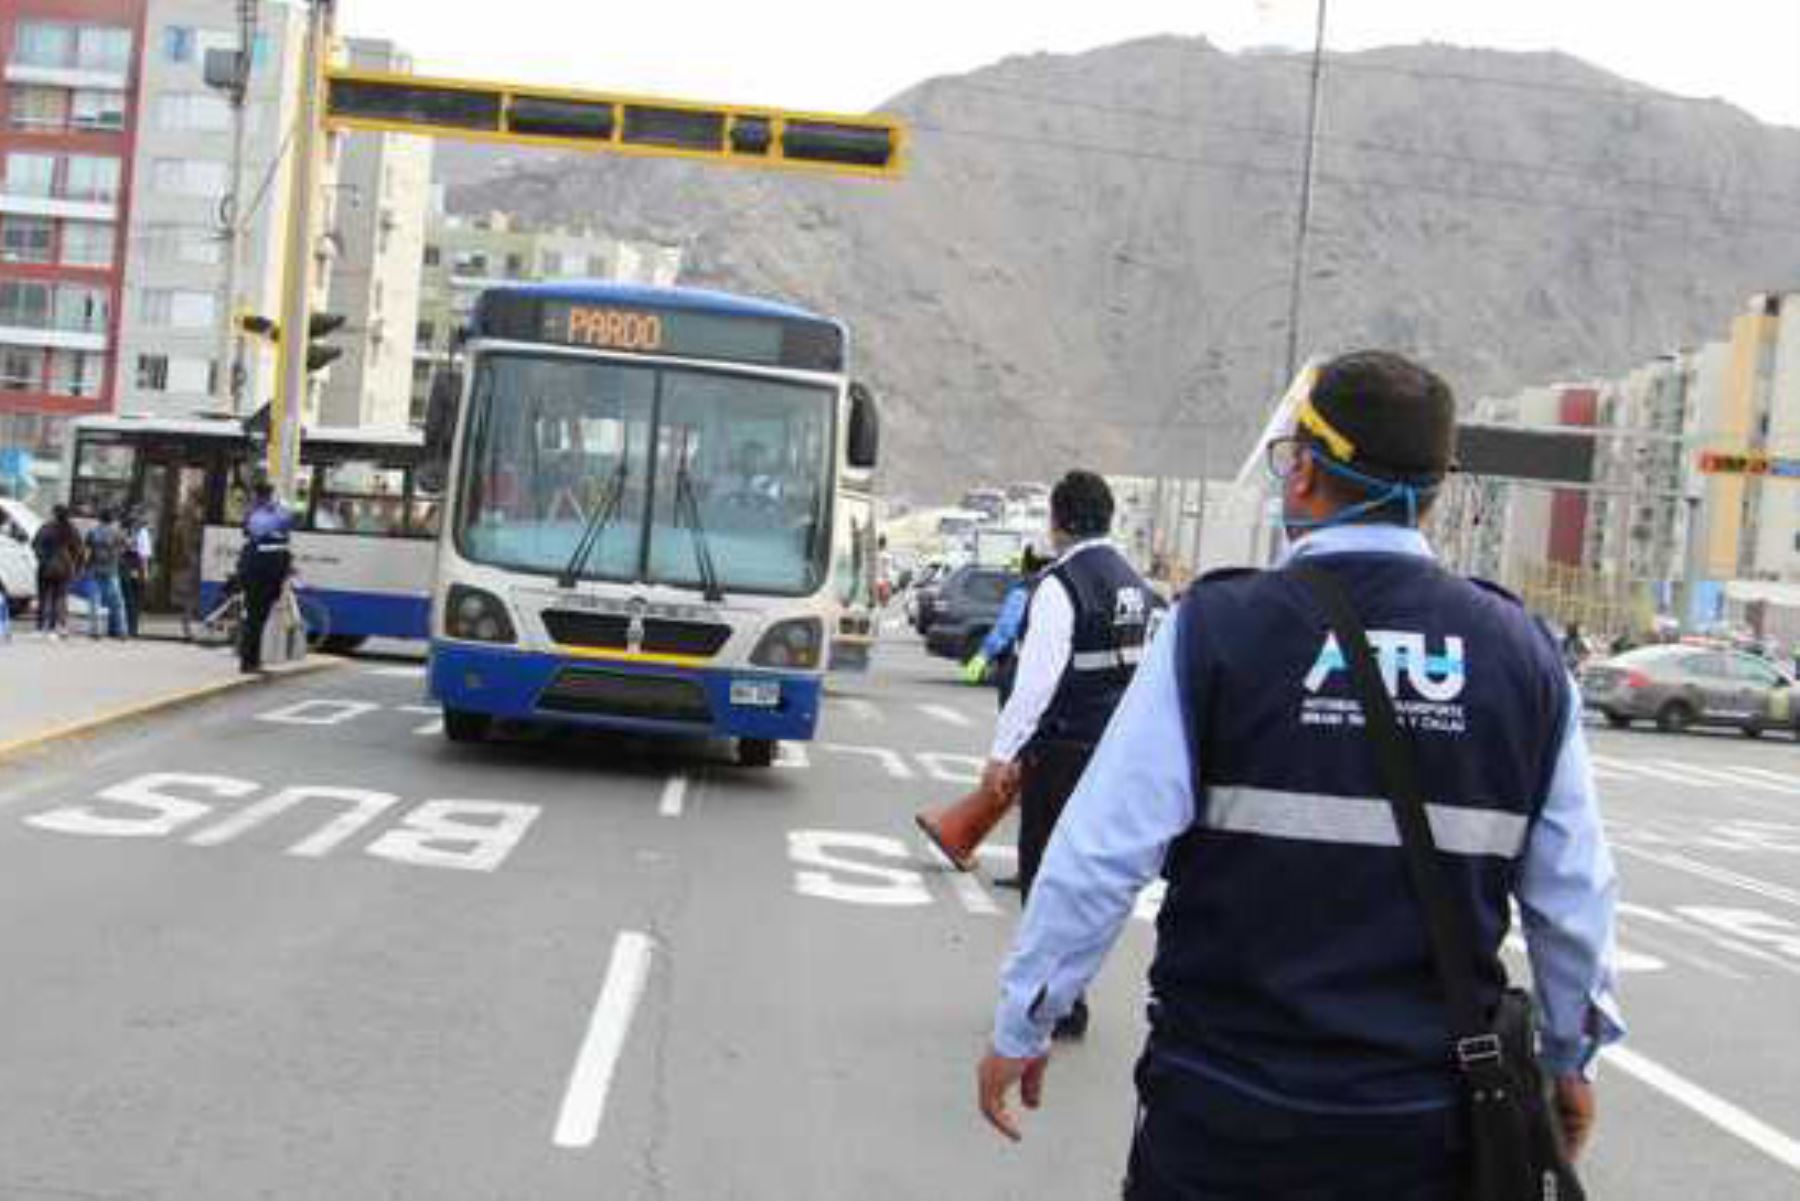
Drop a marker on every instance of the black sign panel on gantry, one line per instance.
(491, 112)
(1552, 457)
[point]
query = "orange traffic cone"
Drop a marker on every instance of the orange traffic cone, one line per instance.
(957, 830)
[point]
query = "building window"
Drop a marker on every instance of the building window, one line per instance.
(30, 174)
(195, 111)
(188, 177)
(103, 48)
(515, 266)
(24, 304)
(425, 334)
(433, 255)
(179, 309)
(25, 239)
(153, 372)
(181, 244)
(98, 109)
(81, 309)
(92, 178)
(73, 373)
(178, 44)
(39, 108)
(21, 369)
(87, 244)
(43, 44)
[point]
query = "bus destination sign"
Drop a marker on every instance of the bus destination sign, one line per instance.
(1750, 462)
(609, 328)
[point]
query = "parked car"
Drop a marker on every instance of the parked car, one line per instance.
(922, 592)
(18, 563)
(966, 607)
(1679, 686)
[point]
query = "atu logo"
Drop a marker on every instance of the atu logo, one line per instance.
(1437, 678)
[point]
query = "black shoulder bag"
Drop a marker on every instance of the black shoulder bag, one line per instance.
(1515, 1140)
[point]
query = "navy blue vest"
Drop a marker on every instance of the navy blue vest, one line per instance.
(1113, 607)
(1291, 951)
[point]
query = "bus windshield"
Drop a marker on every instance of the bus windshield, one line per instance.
(678, 460)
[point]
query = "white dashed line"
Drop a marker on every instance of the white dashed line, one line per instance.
(945, 713)
(673, 794)
(398, 673)
(1727, 1117)
(584, 1101)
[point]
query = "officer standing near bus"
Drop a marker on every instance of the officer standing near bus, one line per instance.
(264, 565)
(1299, 1041)
(1085, 629)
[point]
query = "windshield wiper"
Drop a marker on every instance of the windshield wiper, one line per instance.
(595, 528)
(686, 502)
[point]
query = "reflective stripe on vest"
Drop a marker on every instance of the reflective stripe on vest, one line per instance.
(1129, 656)
(1358, 821)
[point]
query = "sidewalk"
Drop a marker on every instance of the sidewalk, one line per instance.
(54, 690)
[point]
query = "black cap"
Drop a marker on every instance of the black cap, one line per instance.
(1383, 415)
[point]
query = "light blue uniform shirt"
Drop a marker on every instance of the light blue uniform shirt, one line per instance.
(1105, 850)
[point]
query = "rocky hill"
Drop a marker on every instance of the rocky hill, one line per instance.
(1086, 261)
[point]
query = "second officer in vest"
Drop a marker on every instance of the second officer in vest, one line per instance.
(1084, 632)
(1299, 1040)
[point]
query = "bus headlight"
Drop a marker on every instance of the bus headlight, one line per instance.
(795, 643)
(476, 616)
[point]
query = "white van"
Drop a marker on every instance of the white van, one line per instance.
(18, 563)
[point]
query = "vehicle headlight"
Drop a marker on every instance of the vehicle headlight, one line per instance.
(795, 643)
(476, 616)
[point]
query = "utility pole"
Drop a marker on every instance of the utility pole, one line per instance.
(231, 74)
(1296, 289)
(302, 234)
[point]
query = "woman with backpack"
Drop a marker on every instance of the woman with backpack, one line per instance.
(58, 549)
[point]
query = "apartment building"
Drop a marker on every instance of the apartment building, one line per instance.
(68, 123)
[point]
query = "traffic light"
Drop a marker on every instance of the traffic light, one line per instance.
(319, 353)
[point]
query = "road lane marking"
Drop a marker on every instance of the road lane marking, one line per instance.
(973, 896)
(432, 728)
(890, 761)
(673, 794)
(951, 769)
(1730, 1118)
(791, 755)
(1775, 781)
(945, 713)
(1645, 769)
(860, 709)
(398, 673)
(1703, 775)
(319, 711)
(584, 1101)
(1718, 875)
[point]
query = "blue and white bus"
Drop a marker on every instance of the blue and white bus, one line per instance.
(366, 522)
(643, 513)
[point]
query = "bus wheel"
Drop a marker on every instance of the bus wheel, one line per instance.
(462, 726)
(756, 752)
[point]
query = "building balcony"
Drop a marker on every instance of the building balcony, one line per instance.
(20, 205)
(67, 77)
(54, 339)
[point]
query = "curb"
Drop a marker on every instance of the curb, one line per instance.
(168, 701)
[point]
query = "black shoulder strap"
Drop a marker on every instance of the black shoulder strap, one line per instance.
(1452, 947)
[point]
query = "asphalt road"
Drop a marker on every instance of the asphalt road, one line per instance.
(292, 944)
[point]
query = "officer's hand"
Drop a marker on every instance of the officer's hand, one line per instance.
(1000, 779)
(1576, 1106)
(995, 1079)
(975, 670)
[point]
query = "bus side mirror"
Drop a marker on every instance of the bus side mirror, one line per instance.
(440, 427)
(865, 428)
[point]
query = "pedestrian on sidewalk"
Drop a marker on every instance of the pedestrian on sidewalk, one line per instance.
(263, 567)
(1303, 1038)
(58, 549)
(105, 560)
(134, 573)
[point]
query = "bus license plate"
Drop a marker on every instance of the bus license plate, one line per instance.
(756, 694)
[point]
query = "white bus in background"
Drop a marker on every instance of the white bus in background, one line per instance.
(365, 523)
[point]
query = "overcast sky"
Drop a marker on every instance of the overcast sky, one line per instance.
(850, 56)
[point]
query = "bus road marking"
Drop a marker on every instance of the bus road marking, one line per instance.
(319, 711)
(398, 673)
(861, 709)
(584, 1100)
(792, 755)
(945, 713)
(432, 728)
(890, 761)
(1730, 1118)
(673, 794)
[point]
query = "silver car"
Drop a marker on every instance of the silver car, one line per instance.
(1678, 686)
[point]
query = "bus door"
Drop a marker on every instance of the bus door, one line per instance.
(172, 490)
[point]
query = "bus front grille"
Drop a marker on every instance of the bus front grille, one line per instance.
(660, 636)
(596, 693)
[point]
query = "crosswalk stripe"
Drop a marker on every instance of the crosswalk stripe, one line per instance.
(1702, 774)
(862, 710)
(1774, 781)
(1654, 773)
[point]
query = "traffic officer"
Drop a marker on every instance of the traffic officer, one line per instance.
(1084, 631)
(1298, 1040)
(264, 564)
